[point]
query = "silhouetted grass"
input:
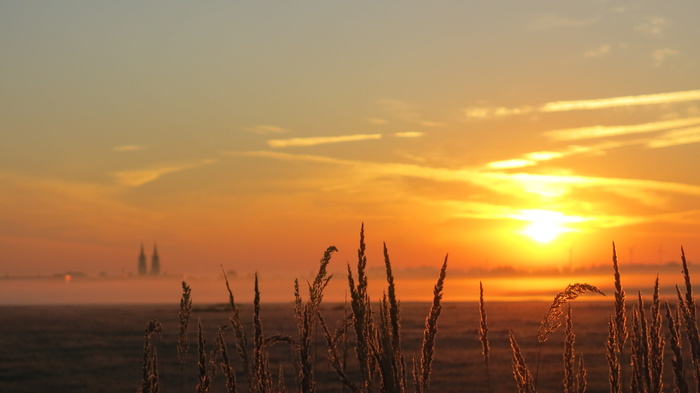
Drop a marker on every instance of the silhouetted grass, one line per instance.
(375, 338)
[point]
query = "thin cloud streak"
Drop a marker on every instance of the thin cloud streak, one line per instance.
(676, 138)
(608, 131)
(601, 103)
(128, 148)
(625, 101)
(321, 140)
(139, 177)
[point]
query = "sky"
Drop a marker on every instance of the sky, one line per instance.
(253, 135)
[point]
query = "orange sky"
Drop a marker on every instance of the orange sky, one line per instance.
(255, 135)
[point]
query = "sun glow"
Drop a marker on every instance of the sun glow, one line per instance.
(545, 225)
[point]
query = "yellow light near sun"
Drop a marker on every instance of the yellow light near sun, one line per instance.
(543, 232)
(545, 225)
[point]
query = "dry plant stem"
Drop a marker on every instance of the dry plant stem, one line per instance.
(389, 355)
(522, 375)
(263, 381)
(570, 385)
(226, 367)
(620, 313)
(430, 332)
(611, 347)
(674, 325)
(241, 337)
(149, 380)
(362, 321)
(691, 325)
(484, 335)
(203, 380)
(336, 359)
(307, 318)
(656, 343)
(552, 319)
(638, 340)
(182, 343)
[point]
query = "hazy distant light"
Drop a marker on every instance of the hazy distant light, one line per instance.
(409, 134)
(68, 277)
(127, 148)
(321, 140)
(515, 163)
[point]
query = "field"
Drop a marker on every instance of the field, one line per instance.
(100, 348)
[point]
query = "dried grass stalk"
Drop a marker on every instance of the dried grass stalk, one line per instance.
(388, 354)
(674, 325)
(552, 319)
(261, 369)
(335, 353)
(523, 377)
(226, 367)
(182, 342)
(484, 335)
(307, 318)
(656, 343)
(203, 379)
(430, 333)
(574, 373)
(149, 377)
(362, 319)
(687, 305)
(611, 352)
(239, 331)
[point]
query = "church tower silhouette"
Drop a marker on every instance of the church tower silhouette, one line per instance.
(155, 262)
(142, 262)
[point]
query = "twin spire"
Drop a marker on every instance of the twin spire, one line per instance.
(155, 262)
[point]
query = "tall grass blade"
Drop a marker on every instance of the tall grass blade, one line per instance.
(522, 375)
(611, 352)
(484, 335)
(203, 379)
(430, 332)
(674, 327)
(182, 342)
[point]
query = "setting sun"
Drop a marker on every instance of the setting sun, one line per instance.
(545, 225)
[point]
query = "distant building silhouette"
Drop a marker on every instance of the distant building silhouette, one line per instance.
(155, 262)
(142, 262)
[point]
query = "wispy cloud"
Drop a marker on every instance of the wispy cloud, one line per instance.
(139, 177)
(600, 103)
(409, 134)
(400, 109)
(654, 26)
(609, 131)
(508, 164)
(600, 51)
(376, 121)
(432, 124)
(552, 22)
(676, 137)
(128, 148)
(321, 140)
(265, 129)
(660, 56)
